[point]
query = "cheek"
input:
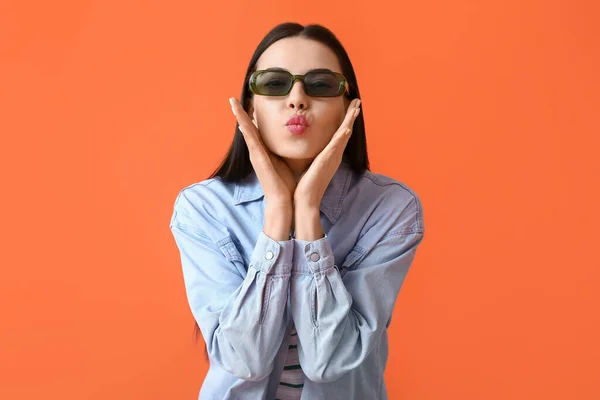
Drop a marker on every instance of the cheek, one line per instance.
(338, 113)
(265, 115)
(334, 117)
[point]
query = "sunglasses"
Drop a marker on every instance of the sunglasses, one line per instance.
(317, 83)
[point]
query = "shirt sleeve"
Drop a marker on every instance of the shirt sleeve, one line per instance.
(340, 320)
(241, 317)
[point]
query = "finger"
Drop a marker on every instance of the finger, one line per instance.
(340, 138)
(246, 126)
(334, 151)
(351, 114)
(259, 155)
(347, 124)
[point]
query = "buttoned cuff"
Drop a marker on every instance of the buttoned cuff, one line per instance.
(271, 256)
(312, 256)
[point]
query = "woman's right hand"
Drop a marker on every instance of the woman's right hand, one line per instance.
(275, 176)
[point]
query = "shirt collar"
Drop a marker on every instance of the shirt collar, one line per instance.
(249, 189)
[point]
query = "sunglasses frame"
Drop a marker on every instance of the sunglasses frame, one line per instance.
(343, 89)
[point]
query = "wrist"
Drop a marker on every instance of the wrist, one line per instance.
(306, 204)
(308, 223)
(278, 221)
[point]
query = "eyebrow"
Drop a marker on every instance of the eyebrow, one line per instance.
(310, 70)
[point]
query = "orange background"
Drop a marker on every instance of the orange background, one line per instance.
(489, 110)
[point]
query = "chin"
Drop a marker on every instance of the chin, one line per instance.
(296, 155)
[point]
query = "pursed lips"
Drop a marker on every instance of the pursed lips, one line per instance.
(297, 120)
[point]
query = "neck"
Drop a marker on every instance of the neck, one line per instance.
(298, 167)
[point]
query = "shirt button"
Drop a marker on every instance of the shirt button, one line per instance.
(315, 257)
(269, 255)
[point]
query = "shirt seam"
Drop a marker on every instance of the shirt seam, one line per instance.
(189, 228)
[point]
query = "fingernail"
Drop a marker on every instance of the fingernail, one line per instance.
(358, 103)
(356, 112)
(231, 102)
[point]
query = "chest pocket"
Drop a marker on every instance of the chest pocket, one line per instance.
(358, 252)
(232, 254)
(351, 261)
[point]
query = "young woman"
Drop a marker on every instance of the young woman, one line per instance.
(293, 251)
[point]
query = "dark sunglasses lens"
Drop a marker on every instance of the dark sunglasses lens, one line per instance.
(273, 83)
(322, 84)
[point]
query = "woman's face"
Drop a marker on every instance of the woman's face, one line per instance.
(271, 113)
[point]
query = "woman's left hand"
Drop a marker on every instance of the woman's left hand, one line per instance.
(314, 181)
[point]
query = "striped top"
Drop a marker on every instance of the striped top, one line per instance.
(292, 377)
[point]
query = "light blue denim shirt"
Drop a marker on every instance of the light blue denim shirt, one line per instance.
(247, 291)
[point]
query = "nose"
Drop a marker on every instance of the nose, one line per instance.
(297, 98)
